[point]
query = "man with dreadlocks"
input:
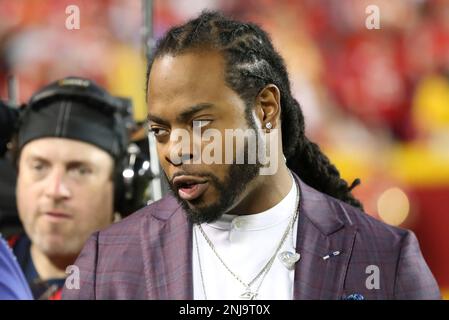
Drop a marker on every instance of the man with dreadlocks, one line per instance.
(228, 231)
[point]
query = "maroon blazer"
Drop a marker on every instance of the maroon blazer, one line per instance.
(149, 255)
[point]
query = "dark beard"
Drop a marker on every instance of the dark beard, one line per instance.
(238, 178)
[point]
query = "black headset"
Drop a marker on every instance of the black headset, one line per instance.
(132, 167)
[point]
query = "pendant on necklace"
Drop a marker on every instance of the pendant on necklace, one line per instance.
(289, 259)
(248, 295)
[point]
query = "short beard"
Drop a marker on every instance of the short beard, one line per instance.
(238, 178)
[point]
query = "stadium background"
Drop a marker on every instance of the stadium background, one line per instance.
(377, 101)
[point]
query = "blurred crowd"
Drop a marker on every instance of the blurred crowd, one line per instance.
(376, 100)
(37, 48)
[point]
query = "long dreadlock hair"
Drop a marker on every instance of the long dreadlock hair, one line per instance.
(251, 64)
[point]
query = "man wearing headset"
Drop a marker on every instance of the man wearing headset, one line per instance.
(70, 152)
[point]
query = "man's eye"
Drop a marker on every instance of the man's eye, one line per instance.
(158, 132)
(38, 166)
(80, 170)
(84, 170)
(200, 123)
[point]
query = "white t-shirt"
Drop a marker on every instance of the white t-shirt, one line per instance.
(245, 243)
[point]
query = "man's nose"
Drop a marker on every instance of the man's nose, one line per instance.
(57, 187)
(178, 158)
(179, 150)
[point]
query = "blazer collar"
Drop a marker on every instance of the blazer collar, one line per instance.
(167, 252)
(321, 212)
(324, 228)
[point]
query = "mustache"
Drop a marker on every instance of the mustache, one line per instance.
(193, 174)
(54, 207)
(59, 211)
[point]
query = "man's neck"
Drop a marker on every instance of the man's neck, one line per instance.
(49, 268)
(265, 192)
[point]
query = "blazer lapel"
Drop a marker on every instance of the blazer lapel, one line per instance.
(325, 243)
(167, 252)
(167, 249)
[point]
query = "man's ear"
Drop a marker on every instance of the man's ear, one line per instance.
(268, 106)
